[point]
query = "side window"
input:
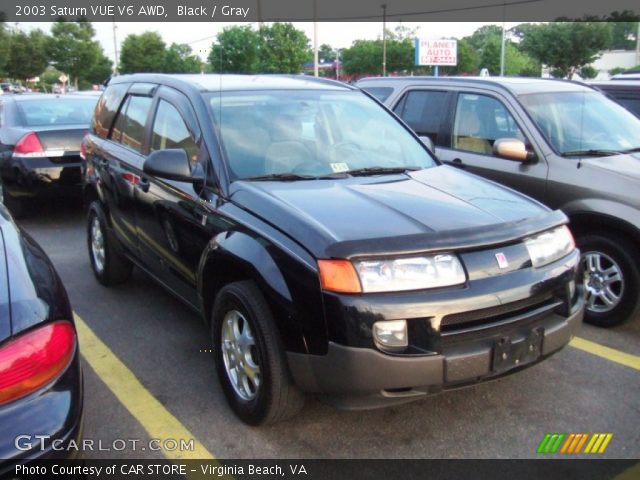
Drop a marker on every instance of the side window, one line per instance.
(170, 131)
(381, 93)
(423, 111)
(1, 115)
(481, 120)
(107, 108)
(130, 123)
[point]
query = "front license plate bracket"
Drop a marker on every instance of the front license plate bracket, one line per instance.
(508, 353)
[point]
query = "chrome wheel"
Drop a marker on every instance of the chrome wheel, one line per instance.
(240, 355)
(603, 281)
(97, 245)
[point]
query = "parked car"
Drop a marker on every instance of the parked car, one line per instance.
(325, 247)
(625, 92)
(40, 138)
(560, 142)
(41, 393)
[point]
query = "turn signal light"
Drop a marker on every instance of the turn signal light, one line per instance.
(34, 359)
(339, 276)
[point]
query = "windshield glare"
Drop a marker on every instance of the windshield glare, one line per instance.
(582, 121)
(310, 132)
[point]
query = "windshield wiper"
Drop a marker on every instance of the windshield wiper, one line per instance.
(291, 177)
(591, 153)
(380, 170)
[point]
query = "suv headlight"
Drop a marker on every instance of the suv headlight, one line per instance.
(549, 246)
(413, 273)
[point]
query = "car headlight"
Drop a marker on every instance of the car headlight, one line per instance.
(413, 273)
(549, 246)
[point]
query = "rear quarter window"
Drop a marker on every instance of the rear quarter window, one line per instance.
(107, 108)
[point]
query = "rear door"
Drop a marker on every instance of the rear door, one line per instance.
(120, 162)
(171, 216)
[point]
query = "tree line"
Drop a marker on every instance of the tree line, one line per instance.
(566, 47)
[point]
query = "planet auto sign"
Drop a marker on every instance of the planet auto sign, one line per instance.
(436, 52)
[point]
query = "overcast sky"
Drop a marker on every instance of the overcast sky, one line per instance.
(200, 35)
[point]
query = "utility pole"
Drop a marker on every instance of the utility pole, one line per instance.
(315, 38)
(115, 49)
(337, 64)
(638, 45)
(502, 51)
(384, 39)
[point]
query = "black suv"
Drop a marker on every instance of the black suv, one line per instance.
(326, 248)
(563, 143)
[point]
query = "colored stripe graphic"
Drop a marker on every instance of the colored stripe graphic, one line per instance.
(572, 443)
(551, 442)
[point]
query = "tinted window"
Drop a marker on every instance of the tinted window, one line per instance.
(381, 93)
(582, 121)
(56, 111)
(480, 121)
(423, 111)
(129, 126)
(311, 132)
(170, 131)
(107, 107)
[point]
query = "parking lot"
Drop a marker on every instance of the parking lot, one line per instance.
(173, 392)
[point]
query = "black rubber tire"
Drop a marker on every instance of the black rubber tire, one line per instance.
(278, 398)
(623, 252)
(117, 268)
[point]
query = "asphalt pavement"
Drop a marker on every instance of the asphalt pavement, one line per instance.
(166, 347)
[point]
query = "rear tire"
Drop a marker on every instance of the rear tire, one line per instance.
(611, 279)
(109, 266)
(250, 359)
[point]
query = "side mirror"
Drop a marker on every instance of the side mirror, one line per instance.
(171, 164)
(428, 143)
(513, 149)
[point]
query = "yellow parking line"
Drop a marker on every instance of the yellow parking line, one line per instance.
(632, 473)
(145, 408)
(611, 354)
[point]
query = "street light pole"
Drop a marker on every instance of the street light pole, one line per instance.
(115, 49)
(384, 39)
(315, 39)
(502, 52)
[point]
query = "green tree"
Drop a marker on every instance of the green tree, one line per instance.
(236, 50)
(283, 49)
(326, 53)
(179, 59)
(72, 49)
(364, 57)
(482, 35)
(27, 54)
(624, 30)
(99, 71)
(142, 53)
(565, 46)
(5, 39)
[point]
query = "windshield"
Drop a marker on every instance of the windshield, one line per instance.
(57, 111)
(311, 133)
(583, 122)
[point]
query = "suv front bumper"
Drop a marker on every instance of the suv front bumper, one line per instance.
(507, 338)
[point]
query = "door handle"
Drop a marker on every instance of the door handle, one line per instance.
(144, 184)
(458, 163)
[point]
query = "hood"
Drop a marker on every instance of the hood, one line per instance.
(379, 210)
(627, 165)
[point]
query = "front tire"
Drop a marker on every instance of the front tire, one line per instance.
(611, 279)
(250, 360)
(109, 266)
